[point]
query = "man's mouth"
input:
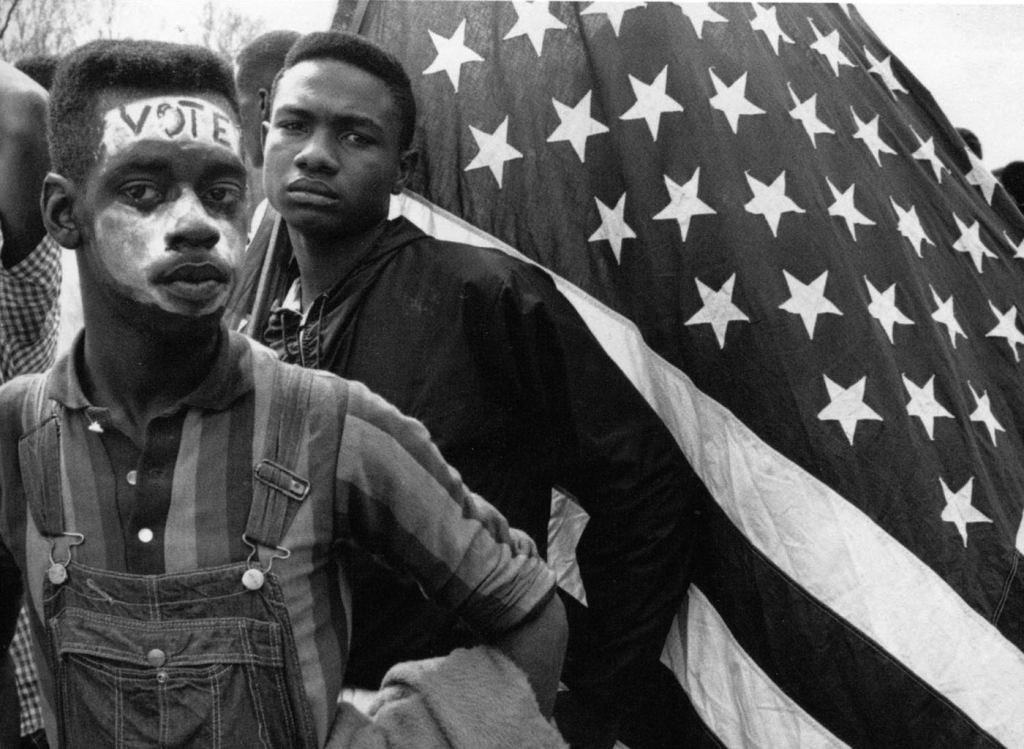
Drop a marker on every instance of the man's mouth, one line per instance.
(312, 191)
(195, 273)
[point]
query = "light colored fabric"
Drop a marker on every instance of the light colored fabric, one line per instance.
(471, 699)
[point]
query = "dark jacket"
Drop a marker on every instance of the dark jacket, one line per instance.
(520, 397)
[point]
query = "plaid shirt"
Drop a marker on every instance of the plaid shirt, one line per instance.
(30, 311)
(29, 317)
(27, 677)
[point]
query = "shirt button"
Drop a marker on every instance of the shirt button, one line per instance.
(156, 657)
(132, 477)
(145, 535)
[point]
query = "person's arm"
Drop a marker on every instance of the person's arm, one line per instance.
(537, 645)
(30, 270)
(414, 509)
(24, 163)
(610, 451)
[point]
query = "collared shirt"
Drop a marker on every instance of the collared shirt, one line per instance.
(30, 311)
(376, 480)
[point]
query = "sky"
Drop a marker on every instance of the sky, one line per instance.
(971, 59)
(969, 56)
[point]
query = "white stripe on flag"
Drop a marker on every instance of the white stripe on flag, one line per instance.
(810, 532)
(736, 700)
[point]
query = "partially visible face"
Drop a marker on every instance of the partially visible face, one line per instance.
(251, 111)
(332, 155)
(162, 210)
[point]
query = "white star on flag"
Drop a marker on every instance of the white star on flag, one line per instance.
(970, 242)
(1007, 328)
(923, 404)
(883, 308)
(613, 226)
(684, 203)
(945, 315)
(1018, 249)
(534, 21)
(829, 47)
(807, 114)
(868, 133)
(983, 413)
(847, 406)
(718, 310)
(651, 101)
(576, 125)
(699, 14)
(452, 54)
(883, 69)
(808, 300)
(732, 100)
(927, 153)
(766, 20)
(981, 176)
(844, 208)
(770, 201)
(909, 226)
(494, 150)
(614, 10)
(959, 511)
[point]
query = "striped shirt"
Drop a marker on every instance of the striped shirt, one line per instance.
(30, 311)
(376, 480)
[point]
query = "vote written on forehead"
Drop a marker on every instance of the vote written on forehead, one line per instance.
(169, 118)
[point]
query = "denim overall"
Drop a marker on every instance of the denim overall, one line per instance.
(194, 659)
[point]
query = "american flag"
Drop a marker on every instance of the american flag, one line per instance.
(776, 232)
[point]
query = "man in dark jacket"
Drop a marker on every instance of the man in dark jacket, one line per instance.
(482, 348)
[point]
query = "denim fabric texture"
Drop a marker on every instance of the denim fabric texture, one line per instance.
(180, 660)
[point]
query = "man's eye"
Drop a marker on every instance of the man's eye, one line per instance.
(291, 126)
(357, 139)
(142, 194)
(223, 196)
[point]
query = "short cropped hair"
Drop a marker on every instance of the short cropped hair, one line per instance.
(264, 53)
(365, 55)
(39, 68)
(74, 126)
(971, 140)
(1012, 179)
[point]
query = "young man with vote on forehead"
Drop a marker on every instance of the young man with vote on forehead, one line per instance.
(178, 596)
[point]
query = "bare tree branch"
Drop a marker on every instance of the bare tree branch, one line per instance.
(7, 21)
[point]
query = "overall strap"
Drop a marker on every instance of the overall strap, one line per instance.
(277, 489)
(39, 456)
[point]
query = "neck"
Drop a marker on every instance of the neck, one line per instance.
(140, 373)
(324, 261)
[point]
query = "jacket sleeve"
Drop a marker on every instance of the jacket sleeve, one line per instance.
(616, 457)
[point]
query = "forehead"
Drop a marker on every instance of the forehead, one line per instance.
(187, 120)
(332, 84)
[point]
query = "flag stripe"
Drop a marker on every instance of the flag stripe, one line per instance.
(819, 289)
(783, 511)
(900, 710)
(711, 665)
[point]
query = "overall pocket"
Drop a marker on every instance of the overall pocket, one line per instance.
(196, 683)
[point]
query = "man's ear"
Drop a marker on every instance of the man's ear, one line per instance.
(406, 166)
(57, 203)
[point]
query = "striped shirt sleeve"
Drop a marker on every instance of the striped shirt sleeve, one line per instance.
(400, 499)
(30, 311)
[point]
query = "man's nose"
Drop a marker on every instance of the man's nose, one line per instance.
(316, 154)
(192, 227)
